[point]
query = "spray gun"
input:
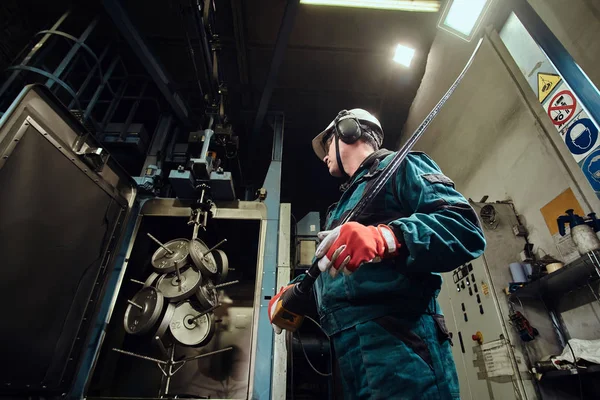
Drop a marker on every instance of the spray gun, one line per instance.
(583, 232)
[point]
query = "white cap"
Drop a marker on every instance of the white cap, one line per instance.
(363, 116)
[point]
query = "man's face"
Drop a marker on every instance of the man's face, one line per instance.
(331, 160)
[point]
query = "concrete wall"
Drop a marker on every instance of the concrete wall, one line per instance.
(576, 23)
(492, 137)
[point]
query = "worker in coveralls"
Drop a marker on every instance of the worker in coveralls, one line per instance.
(377, 296)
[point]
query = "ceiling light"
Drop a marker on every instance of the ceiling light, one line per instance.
(400, 5)
(463, 17)
(404, 55)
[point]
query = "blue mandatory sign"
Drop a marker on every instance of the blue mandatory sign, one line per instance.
(581, 136)
(591, 169)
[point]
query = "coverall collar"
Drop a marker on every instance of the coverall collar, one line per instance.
(368, 166)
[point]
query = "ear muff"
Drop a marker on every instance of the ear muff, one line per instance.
(347, 127)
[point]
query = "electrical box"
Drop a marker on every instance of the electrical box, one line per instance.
(489, 354)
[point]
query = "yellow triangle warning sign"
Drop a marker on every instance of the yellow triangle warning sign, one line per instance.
(546, 83)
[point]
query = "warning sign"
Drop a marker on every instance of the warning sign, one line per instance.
(562, 107)
(581, 137)
(546, 84)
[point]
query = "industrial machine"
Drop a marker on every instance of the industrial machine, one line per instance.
(138, 271)
(137, 297)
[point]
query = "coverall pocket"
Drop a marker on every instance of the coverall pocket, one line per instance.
(442, 330)
(412, 340)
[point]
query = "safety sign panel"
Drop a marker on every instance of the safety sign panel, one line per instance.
(562, 107)
(546, 84)
(581, 136)
(591, 169)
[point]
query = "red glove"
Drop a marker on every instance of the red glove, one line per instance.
(350, 245)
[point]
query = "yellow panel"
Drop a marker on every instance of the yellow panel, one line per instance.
(557, 207)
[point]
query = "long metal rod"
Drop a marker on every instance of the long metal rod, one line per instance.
(226, 283)
(212, 353)
(156, 360)
(135, 304)
(214, 247)
(158, 242)
(206, 312)
(313, 272)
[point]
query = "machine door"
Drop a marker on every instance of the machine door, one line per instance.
(63, 204)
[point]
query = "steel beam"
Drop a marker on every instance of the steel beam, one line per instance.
(285, 30)
(579, 82)
(115, 9)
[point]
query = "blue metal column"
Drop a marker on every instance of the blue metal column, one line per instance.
(264, 346)
(561, 59)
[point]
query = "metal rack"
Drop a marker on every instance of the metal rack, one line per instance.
(551, 288)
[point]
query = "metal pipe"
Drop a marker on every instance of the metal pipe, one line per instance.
(212, 353)
(135, 304)
(205, 312)
(158, 242)
(214, 247)
(226, 283)
(156, 360)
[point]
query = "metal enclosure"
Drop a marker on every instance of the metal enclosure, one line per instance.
(473, 300)
(225, 375)
(63, 206)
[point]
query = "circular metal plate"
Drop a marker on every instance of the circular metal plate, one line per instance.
(151, 279)
(165, 262)
(222, 266)
(206, 264)
(188, 332)
(166, 320)
(170, 287)
(207, 295)
(138, 322)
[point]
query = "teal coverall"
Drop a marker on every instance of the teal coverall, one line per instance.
(386, 327)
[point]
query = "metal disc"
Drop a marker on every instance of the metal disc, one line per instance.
(222, 265)
(207, 295)
(189, 332)
(150, 280)
(165, 262)
(169, 284)
(138, 322)
(166, 320)
(205, 263)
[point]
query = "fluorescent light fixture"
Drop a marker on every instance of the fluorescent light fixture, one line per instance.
(399, 5)
(463, 17)
(404, 55)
